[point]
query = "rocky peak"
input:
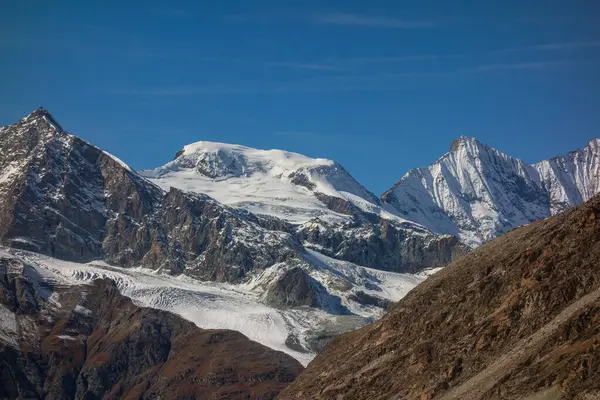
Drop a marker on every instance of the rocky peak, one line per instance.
(470, 148)
(463, 141)
(42, 115)
(594, 143)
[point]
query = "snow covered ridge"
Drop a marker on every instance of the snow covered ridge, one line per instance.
(271, 182)
(477, 192)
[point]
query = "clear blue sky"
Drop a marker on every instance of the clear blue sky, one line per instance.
(381, 87)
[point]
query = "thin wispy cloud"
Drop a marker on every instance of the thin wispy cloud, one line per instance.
(262, 18)
(340, 19)
(309, 66)
(513, 66)
(562, 46)
(566, 46)
(558, 20)
(391, 60)
(373, 82)
(315, 66)
(370, 21)
(347, 84)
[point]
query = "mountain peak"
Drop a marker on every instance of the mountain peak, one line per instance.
(478, 192)
(461, 141)
(594, 143)
(41, 113)
(222, 160)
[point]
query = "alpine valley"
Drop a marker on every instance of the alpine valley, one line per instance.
(289, 250)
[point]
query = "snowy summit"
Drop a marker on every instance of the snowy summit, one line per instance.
(270, 182)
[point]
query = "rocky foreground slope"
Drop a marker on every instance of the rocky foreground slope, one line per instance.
(90, 342)
(477, 193)
(517, 318)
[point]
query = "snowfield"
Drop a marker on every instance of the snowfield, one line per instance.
(269, 182)
(239, 307)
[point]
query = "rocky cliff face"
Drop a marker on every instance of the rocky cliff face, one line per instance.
(64, 197)
(477, 193)
(517, 318)
(380, 243)
(69, 199)
(90, 342)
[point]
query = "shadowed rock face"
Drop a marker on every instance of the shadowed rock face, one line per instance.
(90, 342)
(517, 318)
(293, 289)
(64, 197)
(380, 244)
(368, 299)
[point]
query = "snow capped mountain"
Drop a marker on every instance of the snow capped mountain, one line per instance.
(69, 199)
(477, 192)
(572, 179)
(289, 250)
(278, 183)
(317, 199)
(291, 282)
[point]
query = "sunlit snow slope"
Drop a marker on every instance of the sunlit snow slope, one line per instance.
(477, 192)
(270, 182)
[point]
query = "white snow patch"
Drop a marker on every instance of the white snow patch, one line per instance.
(82, 310)
(66, 337)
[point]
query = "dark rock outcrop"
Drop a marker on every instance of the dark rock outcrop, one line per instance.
(369, 300)
(517, 318)
(293, 289)
(90, 342)
(382, 244)
(301, 180)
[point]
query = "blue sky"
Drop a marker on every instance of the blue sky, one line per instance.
(380, 86)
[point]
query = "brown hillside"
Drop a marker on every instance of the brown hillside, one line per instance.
(518, 318)
(95, 343)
